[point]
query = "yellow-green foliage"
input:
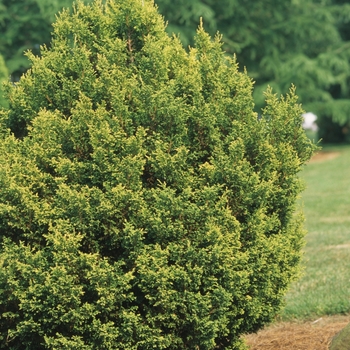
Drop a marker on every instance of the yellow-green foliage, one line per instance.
(143, 204)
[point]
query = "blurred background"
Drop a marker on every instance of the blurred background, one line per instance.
(279, 42)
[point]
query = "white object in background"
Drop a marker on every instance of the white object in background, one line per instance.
(310, 121)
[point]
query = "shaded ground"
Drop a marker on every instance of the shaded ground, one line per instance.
(313, 335)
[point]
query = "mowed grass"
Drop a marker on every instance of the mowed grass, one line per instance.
(324, 287)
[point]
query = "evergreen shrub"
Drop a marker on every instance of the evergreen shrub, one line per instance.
(143, 203)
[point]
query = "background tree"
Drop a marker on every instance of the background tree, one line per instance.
(143, 203)
(3, 77)
(26, 24)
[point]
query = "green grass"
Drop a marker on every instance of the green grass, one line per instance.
(324, 288)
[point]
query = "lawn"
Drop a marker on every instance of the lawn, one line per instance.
(324, 287)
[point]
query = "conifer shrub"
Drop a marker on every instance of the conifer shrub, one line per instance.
(143, 204)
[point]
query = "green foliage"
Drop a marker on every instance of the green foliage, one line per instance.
(305, 43)
(26, 24)
(280, 42)
(331, 132)
(143, 204)
(3, 78)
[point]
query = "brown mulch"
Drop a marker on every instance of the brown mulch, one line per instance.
(322, 156)
(313, 335)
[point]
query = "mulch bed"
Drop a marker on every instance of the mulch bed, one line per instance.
(313, 335)
(322, 156)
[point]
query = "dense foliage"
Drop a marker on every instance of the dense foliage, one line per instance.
(143, 203)
(279, 41)
(26, 24)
